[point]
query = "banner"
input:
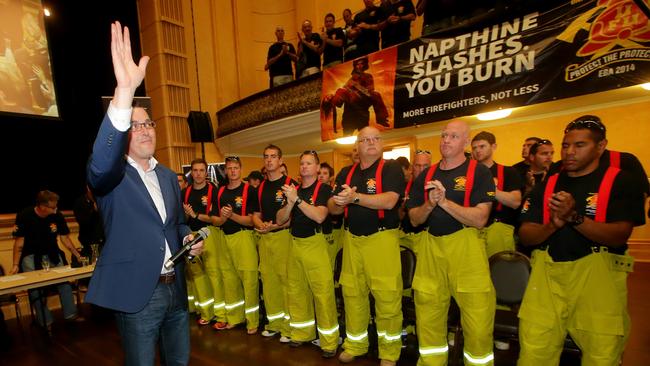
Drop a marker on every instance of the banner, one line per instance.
(572, 50)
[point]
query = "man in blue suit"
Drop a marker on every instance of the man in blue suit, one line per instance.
(144, 223)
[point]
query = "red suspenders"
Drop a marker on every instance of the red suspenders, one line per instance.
(469, 182)
(615, 159)
(408, 188)
(244, 198)
(499, 183)
(260, 189)
(208, 206)
(604, 192)
(219, 198)
(314, 196)
(378, 185)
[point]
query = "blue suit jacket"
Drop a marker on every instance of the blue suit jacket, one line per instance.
(129, 266)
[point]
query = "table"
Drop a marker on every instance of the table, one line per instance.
(35, 279)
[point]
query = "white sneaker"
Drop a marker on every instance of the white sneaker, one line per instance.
(284, 339)
(316, 342)
(501, 345)
(269, 333)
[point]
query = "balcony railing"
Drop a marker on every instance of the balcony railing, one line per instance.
(298, 96)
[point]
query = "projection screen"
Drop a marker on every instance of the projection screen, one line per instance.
(26, 83)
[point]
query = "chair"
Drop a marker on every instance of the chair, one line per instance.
(11, 299)
(338, 293)
(409, 261)
(510, 272)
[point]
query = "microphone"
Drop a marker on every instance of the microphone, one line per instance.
(199, 236)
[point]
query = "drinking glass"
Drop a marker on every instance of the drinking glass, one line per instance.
(45, 263)
(94, 249)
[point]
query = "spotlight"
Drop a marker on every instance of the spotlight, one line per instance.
(488, 116)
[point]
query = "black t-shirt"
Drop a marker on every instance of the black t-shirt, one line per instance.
(440, 9)
(312, 58)
(628, 162)
(522, 168)
(301, 225)
(365, 221)
(401, 31)
(283, 65)
(511, 182)
(368, 40)
(439, 221)
(332, 53)
(235, 198)
(198, 199)
(567, 244)
(273, 198)
(332, 222)
(41, 234)
(406, 225)
(91, 225)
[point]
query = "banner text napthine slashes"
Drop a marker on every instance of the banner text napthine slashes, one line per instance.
(477, 56)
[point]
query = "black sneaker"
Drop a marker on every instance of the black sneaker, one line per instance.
(329, 354)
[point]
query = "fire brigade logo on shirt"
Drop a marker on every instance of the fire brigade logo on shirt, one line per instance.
(279, 196)
(239, 201)
(204, 200)
(591, 204)
(371, 186)
(53, 227)
(526, 206)
(459, 183)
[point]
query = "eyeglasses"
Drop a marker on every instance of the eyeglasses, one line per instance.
(588, 124)
(232, 158)
(369, 139)
(418, 152)
(139, 126)
(543, 142)
(310, 152)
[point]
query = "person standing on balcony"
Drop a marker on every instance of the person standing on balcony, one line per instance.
(279, 60)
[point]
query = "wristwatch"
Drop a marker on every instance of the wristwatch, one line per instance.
(356, 200)
(577, 220)
(298, 201)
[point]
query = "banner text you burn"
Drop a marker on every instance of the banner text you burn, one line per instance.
(477, 56)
